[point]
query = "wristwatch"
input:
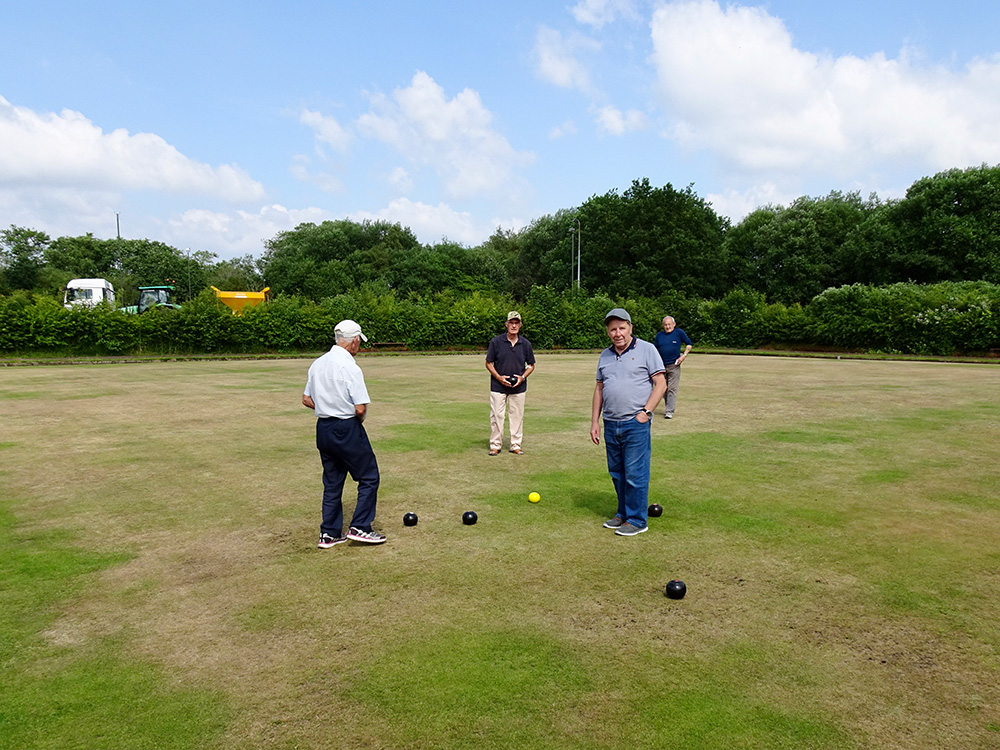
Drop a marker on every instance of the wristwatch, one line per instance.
(648, 413)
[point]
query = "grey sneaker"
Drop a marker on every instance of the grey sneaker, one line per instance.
(627, 529)
(613, 523)
(368, 537)
(326, 540)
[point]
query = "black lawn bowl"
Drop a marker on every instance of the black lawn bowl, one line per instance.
(512, 380)
(676, 589)
(469, 517)
(655, 510)
(410, 519)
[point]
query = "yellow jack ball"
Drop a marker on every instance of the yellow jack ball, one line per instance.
(534, 497)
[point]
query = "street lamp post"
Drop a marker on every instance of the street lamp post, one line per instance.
(577, 231)
(118, 227)
(572, 252)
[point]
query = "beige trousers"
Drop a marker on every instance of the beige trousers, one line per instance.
(513, 404)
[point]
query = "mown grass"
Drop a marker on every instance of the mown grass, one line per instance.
(835, 522)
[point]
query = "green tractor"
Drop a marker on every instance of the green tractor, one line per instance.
(150, 297)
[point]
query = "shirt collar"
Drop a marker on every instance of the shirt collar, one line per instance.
(628, 348)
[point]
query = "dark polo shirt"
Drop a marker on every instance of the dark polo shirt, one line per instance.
(509, 360)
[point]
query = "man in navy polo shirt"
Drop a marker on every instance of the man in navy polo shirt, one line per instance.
(510, 360)
(630, 384)
(668, 343)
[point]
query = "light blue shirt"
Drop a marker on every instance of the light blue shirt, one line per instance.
(627, 379)
(336, 384)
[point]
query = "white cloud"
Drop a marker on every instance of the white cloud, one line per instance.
(234, 233)
(597, 13)
(400, 180)
(67, 150)
(557, 59)
(326, 182)
(60, 211)
(735, 85)
(567, 128)
(615, 122)
(737, 204)
(327, 130)
(429, 223)
(454, 137)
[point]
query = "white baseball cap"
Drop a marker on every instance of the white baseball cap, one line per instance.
(348, 329)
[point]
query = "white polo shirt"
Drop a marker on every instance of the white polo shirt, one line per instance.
(336, 384)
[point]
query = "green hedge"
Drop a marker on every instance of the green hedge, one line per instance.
(944, 319)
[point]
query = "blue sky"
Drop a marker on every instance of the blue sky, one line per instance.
(214, 125)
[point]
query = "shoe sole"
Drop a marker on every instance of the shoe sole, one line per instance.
(609, 525)
(365, 540)
(619, 532)
(332, 544)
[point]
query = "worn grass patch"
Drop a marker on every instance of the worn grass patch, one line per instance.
(55, 693)
(835, 523)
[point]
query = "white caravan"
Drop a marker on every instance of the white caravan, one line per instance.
(88, 293)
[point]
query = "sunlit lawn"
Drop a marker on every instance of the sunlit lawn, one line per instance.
(836, 524)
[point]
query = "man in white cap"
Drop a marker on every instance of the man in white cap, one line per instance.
(335, 390)
(510, 360)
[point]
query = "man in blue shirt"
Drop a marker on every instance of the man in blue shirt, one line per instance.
(668, 343)
(629, 386)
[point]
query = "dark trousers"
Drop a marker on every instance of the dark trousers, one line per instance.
(345, 449)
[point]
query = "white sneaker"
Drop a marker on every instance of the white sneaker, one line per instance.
(627, 529)
(368, 537)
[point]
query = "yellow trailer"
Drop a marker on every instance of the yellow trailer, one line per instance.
(236, 301)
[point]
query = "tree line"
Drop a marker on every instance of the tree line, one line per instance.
(644, 242)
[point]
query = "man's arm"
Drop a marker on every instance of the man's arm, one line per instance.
(659, 388)
(496, 375)
(595, 413)
(360, 410)
(687, 347)
(308, 402)
(524, 376)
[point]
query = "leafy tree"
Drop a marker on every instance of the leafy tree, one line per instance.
(323, 260)
(649, 240)
(542, 254)
(83, 257)
(492, 264)
(22, 256)
(947, 228)
(149, 262)
(792, 254)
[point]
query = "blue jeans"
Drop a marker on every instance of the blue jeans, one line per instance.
(344, 448)
(628, 445)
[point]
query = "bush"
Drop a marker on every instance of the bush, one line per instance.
(944, 319)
